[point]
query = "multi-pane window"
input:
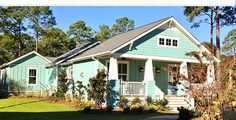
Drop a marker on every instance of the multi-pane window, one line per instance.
(168, 42)
(161, 41)
(32, 76)
(175, 43)
(122, 71)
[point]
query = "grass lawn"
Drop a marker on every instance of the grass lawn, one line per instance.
(33, 109)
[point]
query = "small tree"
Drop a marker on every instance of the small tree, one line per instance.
(81, 89)
(62, 86)
(98, 87)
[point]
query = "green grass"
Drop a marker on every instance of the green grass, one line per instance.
(33, 109)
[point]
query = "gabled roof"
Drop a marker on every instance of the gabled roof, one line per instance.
(119, 41)
(30, 53)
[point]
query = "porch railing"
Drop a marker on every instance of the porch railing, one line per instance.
(132, 88)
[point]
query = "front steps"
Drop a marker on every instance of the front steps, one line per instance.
(174, 102)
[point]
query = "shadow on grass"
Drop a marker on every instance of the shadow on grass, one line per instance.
(77, 115)
(19, 104)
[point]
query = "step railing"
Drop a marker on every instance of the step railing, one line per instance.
(132, 88)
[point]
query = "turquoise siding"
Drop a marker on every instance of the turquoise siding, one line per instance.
(83, 70)
(51, 76)
(150, 88)
(19, 72)
(147, 45)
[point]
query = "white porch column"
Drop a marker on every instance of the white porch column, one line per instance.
(183, 70)
(113, 69)
(210, 73)
(148, 72)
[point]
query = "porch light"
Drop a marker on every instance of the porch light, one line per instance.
(141, 69)
(157, 70)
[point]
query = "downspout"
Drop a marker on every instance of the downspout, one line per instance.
(96, 64)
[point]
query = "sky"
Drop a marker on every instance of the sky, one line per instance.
(95, 16)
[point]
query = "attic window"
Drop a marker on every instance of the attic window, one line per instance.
(166, 41)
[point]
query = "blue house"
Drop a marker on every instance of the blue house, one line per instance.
(137, 60)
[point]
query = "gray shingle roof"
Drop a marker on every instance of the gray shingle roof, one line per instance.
(119, 40)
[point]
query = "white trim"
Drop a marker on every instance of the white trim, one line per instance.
(78, 52)
(37, 76)
(141, 35)
(197, 43)
(167, 37)
(33, 52)
(89, 56)
(118, 62)
(158, 58)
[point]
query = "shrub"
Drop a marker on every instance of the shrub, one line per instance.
(149, 100)
(98, 87)
(17, 87)
(153, 108)
(135, 101)
(137, 107)
(123, 102)
(185, 114)
(86, 106)
(126, 109)
(162, 103)
(62, 87)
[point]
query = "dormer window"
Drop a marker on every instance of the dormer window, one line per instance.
(166, 41)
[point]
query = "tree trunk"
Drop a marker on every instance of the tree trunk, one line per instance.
(217, 42)
(36, 44)
(211, 33)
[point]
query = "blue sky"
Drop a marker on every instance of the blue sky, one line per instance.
(95, 16)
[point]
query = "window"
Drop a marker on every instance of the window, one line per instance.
(161, 41)
(32, 76)
(167, 41)
(122, 71)
(175, 43)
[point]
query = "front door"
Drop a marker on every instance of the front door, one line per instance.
(173, 71)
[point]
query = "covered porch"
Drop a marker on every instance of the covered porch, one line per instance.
(142, 77)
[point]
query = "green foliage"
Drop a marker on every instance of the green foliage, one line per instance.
(54, 43)
(122, 25)
(149, 100)
(135, 101)
(81, 89)
(153, 108)
(17, 87)
(123, 103)
(80, 33)
(163, 102)
(62, 86)
(98, 87)
(137, 107)
(104, 33)
(229, 43)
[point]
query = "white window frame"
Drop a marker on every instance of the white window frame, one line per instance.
(118, 62)
(167, 37)
(28, 76)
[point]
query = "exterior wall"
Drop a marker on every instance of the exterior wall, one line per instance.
(51, 76)
(83, 70)
(147, 45)
(19, 72)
